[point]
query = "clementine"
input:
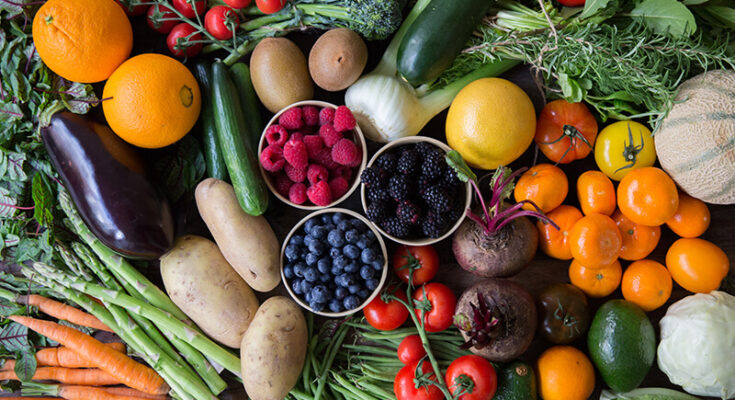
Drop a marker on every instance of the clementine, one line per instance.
(565, 373)
(646, 284)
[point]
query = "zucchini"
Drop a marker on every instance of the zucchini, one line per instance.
(436, 37)
(240, 74)
(516, 381)
(216, 167)
(232, 133)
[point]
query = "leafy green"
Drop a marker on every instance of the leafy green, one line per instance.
(665, 17)
(25, 365)
(179, 167)
(14, 337)
(464, 172)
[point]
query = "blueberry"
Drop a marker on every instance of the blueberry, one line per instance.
(363, 294)
(304, 252)
(336, 270)
(324, 278)
(311, 274)
(359, 225)
(288, 271)
(316, 248)
(351, 251)
(352, 236)
(331, 285)
(362, 243)
(334, 251)
(367, 272)
(335, 306)
(308, 239)
(340, 292)
(319, 232)
(340, 261)
(310, 224)
(354, 289)
(343, 225)
(371, 284)
(306, 286)
(311, 259)
(330, 227)
(351, 302)
(336, 238)
(370, 236)
(377, 265)
(296, 286)
(324, 265)
(344, 280)
(352, 267)
(337, 217)
(317, 306)
(292, 252)
(298, 269)
(307, 296)
(320, 293)
(326, 218)
(367, 255)
(297, 240)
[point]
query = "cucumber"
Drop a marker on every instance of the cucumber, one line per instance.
(436, 37)
(232, 133)
(216, 167)
(516, 381)
(240, 74)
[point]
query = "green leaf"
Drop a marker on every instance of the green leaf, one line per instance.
(25, 365)
(570, 88)
(592, 7)
(43, 200)
(464, 172)
(8, 308)
(14, 337)
(179, 167)
(693, 2)
(666, 17)
(27, 249)
(84, 329)
(13, 8)
(7, 204)
(725, 15)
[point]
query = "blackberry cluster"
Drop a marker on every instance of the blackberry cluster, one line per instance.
(412, 192)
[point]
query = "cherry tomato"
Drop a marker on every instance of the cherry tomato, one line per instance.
(237, 4)
(648, 196)
(479, 371)
(156, 14)
(572, 3)
(130, 9)
(425, 256)
(565, 131)
(386, 316)
(439, 315)
(185, 8)
(405, 388)
(221, 22)
(622, 147)
(411, 349)
(270, 6)
(691, 219)
(180, 38)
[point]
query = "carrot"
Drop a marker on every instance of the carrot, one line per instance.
(120, 366)
(63, 357)
(126, 391)
(30, 398)
(71, 376)
(90, 393)
(60, 310)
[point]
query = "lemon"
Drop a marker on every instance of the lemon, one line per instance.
(491, 122)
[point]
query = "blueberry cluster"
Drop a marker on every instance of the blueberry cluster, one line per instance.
(334, 263)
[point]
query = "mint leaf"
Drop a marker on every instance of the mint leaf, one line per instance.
(592, 7)
(570, 88)
(455, 160)
(666, 17)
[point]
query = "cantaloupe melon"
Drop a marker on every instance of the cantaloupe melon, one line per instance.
(696, 141)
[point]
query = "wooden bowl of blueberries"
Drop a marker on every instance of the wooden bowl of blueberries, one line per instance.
(333, 262)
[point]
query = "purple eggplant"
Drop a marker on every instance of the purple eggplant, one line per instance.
(107, 182)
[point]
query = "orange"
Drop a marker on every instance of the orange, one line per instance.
(152, 101)
(598, 282)
(82, 40)
(555, 242)
(691, 219)
(697, 265)
(595, 240)
(638, 240)
(646, 284)
(564, 373)
(545, 185)
(648, 196)
(596, 193)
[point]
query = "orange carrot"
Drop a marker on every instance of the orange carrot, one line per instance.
(63, 357)
(126, 391)
(120, 366)
(71, 376)
(60, 310)
(90, 393)
(30, 398)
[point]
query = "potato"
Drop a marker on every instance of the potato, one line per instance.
(206, 288)
(273, 349)
(247, 242)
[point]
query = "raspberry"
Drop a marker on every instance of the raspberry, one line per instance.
(295, 174)
(343, 119)
(326, 116)
(339, 187)
(316, 173)
(311, 115)
(297, 193)
(342, 171)
(295, 153)
(292, 118)
(282, 184)
(296, 136)
(324, 157)
(271, 158)
(313, 143)
(320, 194)
(276, 134)
(346, 152)
(330, 135)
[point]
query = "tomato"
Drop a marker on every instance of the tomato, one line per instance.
(426, 258)
(638, 240)
(155, 16)
(386, 316)
(480, 372)
(564, 313)
(180, 38)
(648, 196)
(411, 349)
(565, 131)
(405, 388)
(622, 147)
(691, 219)
(237, 4)
(221, 22)
(270, 6)
(130, 9)
(596, 193)
(544, 184)
(555, 242)
(185, 8)
(439, 315)
(697, 265)
(572, 3)
(595, 240)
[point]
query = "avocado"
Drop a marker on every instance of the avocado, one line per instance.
(516, 381)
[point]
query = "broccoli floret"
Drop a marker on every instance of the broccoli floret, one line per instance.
(373, 19)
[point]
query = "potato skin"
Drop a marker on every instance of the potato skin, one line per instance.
(206, 288)
(247, 242)
(273, 349)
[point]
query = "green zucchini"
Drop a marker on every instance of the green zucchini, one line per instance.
(516, 381)
(248, 100)
(436, 37)
(216, 167)
(232, 133)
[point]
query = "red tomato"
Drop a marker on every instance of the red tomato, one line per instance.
(270, 6)
(405, 388)
(424, 256)
(132, 10)
(439, 316)
(221, 22)
(411, 349)
(237, 3)
(386, 316)
(179, 38)
(184, 7)
(477, 369)
(155, 16)
(572, 3)
(565, 131)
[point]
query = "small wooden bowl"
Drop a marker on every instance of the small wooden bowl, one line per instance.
(383, 250)
(425, 241)
(356, 137)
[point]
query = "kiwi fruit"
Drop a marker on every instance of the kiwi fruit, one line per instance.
(279, 73)
(337, 59)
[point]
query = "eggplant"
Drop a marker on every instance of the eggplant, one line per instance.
(106, 180)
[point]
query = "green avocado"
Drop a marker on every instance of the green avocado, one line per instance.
(516, 381)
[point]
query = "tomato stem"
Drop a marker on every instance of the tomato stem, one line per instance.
(630, 151)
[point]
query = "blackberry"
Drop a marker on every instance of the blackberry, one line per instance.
(408, 161)
(408, 213)
(398, 187)
(423, 183)
(372, 176)
(387, 162)
(377, 194)
(433, 165)
(450, 177)
(456, 213)
(395, 227)
(424, 147)
(433, 225)
(438, 199)
(378, 211)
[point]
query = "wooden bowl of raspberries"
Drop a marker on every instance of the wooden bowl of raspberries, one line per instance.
(311, 154)
(411, 195)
